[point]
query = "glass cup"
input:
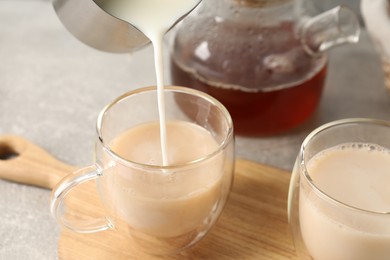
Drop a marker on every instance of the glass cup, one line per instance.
(327, 226)
(162, 209)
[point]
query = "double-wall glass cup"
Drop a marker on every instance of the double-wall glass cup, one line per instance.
(326, 213)
(161, 209)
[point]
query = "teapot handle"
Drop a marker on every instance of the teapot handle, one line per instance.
(334, 27)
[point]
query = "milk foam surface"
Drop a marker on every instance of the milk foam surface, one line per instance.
(358, 175)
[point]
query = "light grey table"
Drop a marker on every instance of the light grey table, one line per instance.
(52, 88)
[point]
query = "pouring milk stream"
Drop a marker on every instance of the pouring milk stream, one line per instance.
(153, 18)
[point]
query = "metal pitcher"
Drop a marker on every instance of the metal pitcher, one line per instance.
(94, 27)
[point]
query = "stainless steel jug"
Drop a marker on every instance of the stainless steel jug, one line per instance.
(94, 27)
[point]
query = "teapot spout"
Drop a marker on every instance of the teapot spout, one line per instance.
(334, 27)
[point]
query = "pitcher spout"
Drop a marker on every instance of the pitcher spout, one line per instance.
(334, 27)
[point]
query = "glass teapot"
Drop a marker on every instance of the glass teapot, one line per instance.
(265, 60)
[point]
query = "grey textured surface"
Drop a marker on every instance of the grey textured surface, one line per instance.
(52, 88)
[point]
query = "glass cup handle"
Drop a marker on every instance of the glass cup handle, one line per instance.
(61, 190)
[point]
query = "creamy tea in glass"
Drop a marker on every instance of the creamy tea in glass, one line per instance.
(161, 208)
(339, 199)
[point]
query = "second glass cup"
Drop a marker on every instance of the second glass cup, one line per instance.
(339, 200)
(163, 209)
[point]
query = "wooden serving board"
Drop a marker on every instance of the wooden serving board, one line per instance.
(253, 224)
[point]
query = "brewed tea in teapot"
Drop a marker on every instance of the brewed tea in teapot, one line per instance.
(264, 60)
